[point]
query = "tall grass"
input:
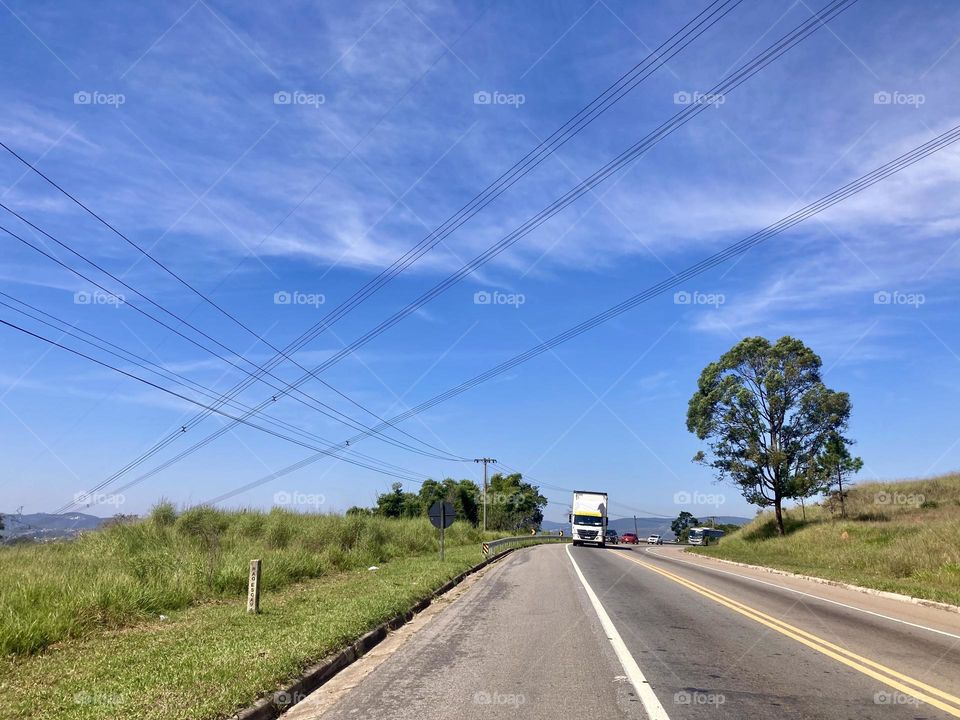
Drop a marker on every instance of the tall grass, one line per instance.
(898, 536)
(125, 573)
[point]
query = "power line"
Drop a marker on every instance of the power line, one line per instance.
(732, 81)
(668, 49)
(739, 248)
(324, 408)
(323, 451)
(126, 355)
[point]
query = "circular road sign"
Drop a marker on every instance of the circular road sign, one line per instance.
(442, 514)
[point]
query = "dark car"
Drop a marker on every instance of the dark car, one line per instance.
(612, 538)
(629, 537)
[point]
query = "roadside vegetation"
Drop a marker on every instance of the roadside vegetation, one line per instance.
(901, 537)
(210, 659)
(135, 571)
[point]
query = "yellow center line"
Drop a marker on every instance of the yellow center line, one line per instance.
(864, 665)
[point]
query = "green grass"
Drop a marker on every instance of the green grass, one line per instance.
(899, 536)
(210, 659)
(129, 574)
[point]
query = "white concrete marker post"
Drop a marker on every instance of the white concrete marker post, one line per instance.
(253, 588)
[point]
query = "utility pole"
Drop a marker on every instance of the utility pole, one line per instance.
(635, 527)
(486, 461)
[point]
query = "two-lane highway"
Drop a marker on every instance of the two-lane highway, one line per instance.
(558, 631)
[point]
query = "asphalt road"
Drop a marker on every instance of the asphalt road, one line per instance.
(563, 632)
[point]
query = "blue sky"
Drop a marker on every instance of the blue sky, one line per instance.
(171, 121)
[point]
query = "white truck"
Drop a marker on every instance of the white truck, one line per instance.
(588, 521)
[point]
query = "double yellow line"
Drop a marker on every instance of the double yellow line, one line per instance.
(905, 684)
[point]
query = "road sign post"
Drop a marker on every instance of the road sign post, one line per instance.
(253, 588)
(442, 515)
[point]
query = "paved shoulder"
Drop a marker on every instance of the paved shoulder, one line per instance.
(521, 642)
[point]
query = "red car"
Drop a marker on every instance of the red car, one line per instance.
(629, 537)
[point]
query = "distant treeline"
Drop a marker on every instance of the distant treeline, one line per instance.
(512, 504)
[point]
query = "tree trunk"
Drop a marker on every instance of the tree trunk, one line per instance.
(843, 510)
(779, 512)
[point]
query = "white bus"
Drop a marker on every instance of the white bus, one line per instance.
(704, 536)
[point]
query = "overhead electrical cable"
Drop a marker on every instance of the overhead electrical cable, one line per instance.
(732, 81)
(739, 248)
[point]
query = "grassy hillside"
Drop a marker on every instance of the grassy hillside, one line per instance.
(898, 536)
(121, 575)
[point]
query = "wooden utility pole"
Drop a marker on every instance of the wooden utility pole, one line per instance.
(486, 461)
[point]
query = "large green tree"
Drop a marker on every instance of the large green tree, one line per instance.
(464, 494)
(767, 416)
(397, 503)
(681, 526)
(513, 504)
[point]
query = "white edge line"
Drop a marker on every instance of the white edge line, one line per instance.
(652, 706)
(806, 594)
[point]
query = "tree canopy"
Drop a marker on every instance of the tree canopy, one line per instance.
(512, 504)
(767, 417)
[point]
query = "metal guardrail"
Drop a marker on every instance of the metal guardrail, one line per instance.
(495, 547)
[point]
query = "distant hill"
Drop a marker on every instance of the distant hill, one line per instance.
(46, 526)
(647, 525)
